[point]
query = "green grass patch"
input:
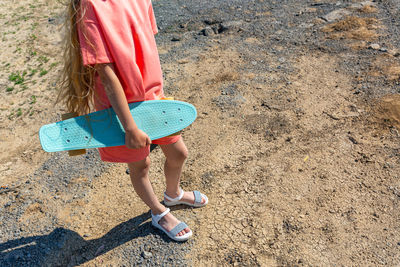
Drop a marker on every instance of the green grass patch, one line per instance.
(43, 72)
(33, 99)
(17, 77)
(44, 59)
(33, 72)
(53, 65)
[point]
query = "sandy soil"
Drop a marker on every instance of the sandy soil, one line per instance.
(296, 143)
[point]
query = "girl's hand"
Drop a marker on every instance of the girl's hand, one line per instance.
(136, 139)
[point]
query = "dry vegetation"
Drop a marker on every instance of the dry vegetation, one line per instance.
(353, 27)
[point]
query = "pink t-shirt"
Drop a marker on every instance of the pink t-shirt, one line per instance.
(122, 33)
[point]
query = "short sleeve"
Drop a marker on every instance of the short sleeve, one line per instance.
(91, 38)
(152, 19)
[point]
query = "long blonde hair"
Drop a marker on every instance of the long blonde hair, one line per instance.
(77, 80)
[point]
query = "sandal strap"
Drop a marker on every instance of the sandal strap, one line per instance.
(197, 197)
(177, 229)
(174, 199)
(158, 217)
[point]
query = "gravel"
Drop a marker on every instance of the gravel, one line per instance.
(190, 24)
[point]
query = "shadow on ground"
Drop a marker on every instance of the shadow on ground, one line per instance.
(63, 247)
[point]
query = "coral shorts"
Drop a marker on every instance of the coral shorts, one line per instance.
(127, 155)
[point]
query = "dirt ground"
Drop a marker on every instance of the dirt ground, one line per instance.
(296, 143)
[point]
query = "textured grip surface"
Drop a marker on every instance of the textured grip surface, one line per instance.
(157, 118)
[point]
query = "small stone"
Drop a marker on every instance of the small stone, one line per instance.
(147, 254)
(207, 31)
(374, 46)
(336, 15)
(230, 26)
(212, 21)
(282, 60)
(394, 53)
(175, 39)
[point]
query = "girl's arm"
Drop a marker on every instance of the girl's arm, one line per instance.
(134, 137)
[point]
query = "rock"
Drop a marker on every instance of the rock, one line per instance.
(282, 60)
(336, 15)
(175, 39)
(207, 31)
(147, 254)
(362, 4)
(374, 46)
(230, 26)
(212, 21)
(394, 52)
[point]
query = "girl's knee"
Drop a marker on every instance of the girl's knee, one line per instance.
(179, 156)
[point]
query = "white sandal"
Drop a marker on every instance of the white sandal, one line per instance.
(173, 233)
(168, 201)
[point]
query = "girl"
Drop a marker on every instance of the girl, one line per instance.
(111, 60)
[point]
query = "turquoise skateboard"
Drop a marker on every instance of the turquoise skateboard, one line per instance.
(157, 118)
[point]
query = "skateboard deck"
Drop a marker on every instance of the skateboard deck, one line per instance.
(157, 118)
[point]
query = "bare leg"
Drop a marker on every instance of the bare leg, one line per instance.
(176, 155)
(141, 183)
